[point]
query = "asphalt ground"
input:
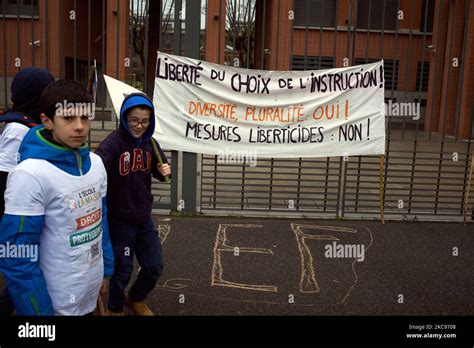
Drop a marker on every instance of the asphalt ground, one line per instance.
(247, 266)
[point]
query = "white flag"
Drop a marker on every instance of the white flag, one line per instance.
(118, 91)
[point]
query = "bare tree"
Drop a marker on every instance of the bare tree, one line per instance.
(240, 29)
(138, 18)
(137, 27)
(167, 8)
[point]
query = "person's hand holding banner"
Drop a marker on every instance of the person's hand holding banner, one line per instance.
(164, 169)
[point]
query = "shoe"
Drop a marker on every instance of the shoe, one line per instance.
(115, 314)
(138, 307)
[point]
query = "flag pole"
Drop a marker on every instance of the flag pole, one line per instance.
(382, 215)
(158, 156)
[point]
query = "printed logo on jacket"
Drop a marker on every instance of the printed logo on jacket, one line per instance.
(86, 208)
(136, 163)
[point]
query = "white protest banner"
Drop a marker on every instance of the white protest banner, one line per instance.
(209, 108)
(118, 91)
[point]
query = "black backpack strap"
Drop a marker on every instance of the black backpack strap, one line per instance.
(18, 117)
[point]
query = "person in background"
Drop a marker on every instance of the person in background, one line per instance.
(26, 89)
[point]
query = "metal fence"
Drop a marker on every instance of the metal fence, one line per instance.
(427, 160)
(425, 172)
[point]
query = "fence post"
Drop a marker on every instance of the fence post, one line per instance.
(191, 50)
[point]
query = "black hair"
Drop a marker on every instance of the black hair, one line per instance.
(61, 91)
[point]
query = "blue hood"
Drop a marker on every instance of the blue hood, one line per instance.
(38, 144)
(132, 100)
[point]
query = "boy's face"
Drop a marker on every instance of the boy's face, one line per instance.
(69, 131)
(138, 120)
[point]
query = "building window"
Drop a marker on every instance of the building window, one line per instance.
(19, 7)
(370, 14)
(390, 70)
(312, 63)
(315, 13)
(428, 9)
(423, 76)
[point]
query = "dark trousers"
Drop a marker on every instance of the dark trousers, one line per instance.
(143, 241)
(6, 304)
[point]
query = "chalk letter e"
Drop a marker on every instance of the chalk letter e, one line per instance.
(221, 247)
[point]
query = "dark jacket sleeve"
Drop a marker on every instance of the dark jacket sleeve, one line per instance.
(154, 170)
(107, 151)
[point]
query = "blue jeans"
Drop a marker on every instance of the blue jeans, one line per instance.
(143, 241)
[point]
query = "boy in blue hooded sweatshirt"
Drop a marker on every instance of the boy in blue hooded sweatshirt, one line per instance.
(55, 212)
(130, 161)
